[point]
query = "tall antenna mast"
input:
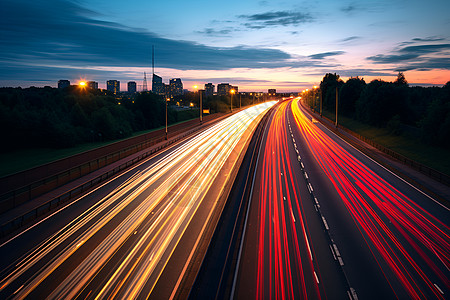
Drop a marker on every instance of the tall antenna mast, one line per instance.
(153, 59)
(144, 85)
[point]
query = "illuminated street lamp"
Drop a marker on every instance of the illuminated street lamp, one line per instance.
(231, 99)
(201, 105)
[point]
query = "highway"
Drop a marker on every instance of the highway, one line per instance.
(325, 221)
(135, 236)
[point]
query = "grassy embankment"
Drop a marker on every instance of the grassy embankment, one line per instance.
(20, 160)
(431, 156)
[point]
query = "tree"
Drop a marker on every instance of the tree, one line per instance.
(328, 88)
(401, 80)
(349, 94)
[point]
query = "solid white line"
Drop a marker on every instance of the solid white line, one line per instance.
(439, 289)
(317, 278)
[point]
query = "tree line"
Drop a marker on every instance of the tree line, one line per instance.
(423, 112)
(59, 118)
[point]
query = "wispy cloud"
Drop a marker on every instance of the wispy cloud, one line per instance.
(214, 32)
(350, 39)
(325, 54)
(349, 8)
(418, 54)
(61, 32)
(276, 18)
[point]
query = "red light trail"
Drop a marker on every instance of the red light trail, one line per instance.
(373, 204)
(285, 268)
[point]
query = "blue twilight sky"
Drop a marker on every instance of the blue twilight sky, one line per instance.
(288, 45)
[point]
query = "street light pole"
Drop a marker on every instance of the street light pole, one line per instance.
(201, 108)
(231, 100)
(320, 95)
(336, 107)
(166, 117)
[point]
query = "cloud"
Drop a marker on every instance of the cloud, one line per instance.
(357, 72)
(350, 39)
(411, 53)
(213, 32)
(349, 8)
(277, 18)
(45, 34)
(325, 54)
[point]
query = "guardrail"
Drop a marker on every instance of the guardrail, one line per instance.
(44, 208)
(430, 172)
(96, 159)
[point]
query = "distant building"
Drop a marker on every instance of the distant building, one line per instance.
(113, 86)
(209, 89)
(158, 86)
(272, 92)
(92, 84)
(223, 89)
(235, 88)
(63, 83)
(176, 87)
(132, 87)
(166, 90)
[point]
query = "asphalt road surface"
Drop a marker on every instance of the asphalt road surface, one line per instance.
(326, 221)
(134, 236)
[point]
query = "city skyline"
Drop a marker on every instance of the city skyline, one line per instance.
(260, 45)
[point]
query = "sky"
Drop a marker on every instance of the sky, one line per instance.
(288, 45)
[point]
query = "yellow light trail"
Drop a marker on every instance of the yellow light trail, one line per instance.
(177, 184)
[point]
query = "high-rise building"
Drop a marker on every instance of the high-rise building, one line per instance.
(223, 89)
(209, 89)
(113, 86)
(131, 87)
(235, 88)
(92, 84)
(176, 87)
(63, 83)
(157, 85)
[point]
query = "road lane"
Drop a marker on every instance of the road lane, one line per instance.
(394, 240)
(285, 251)
(326, 221)
(127, 236)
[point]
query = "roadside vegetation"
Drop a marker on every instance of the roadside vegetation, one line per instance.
(413, 121)
(40, 125)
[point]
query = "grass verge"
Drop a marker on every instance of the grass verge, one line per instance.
(434, 157)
